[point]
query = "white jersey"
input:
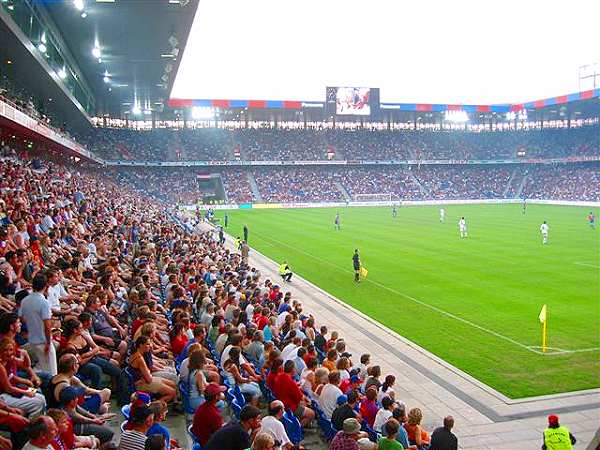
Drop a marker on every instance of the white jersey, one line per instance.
(544, 228)
(462, 224)
(442, 213)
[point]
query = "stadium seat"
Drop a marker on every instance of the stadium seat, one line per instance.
(125, 411)
(195, 441)
(292, 426)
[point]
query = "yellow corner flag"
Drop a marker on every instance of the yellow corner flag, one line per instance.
(543, 313)
(544, 319)
(364, 272)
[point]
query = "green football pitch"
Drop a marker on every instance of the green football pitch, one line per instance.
(473, 302)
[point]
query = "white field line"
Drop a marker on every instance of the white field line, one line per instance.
(560, 351)
(426, 305)
(587, 265)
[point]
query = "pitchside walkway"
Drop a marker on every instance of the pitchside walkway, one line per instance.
(485, 419)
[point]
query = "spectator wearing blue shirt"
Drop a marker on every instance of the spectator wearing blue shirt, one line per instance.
(159, 409)
(399, 414)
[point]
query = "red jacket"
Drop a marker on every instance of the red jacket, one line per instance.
(207, 421)
(286, 390)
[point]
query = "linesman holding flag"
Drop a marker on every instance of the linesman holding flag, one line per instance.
(356, 265)
(544, 320)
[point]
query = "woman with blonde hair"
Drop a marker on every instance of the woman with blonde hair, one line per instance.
(263, 441)
(416, 434)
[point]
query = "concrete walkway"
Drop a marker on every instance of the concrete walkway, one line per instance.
(485, 419)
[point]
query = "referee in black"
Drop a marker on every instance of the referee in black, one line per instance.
(356, 264)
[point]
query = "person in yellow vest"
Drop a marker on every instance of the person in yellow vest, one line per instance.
(285, 271)
(556, 436)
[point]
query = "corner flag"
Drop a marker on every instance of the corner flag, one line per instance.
(544, 319)
(364, 272)
(543, 313)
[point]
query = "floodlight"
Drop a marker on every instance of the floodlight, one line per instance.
(78, 4)
(83, 15)
(62, 73)
(456, 116)
(136, 110)
(42, 47)
(96, 52)
(202, 112)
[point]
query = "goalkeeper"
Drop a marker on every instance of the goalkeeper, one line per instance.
(356, 265)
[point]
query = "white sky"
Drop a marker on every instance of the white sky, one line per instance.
(415, 51)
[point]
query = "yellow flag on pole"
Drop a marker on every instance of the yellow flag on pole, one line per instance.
(544, 319)
(543, 314)
(364, 272)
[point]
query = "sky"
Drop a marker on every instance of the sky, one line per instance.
(415, 51)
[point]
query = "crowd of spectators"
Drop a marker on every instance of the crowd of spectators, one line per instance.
(170, 185)
(16, 95)
(181, 185)
(237, 186)
(396, 181)
(452, 182)
(101, 285)
(428, 182)
(266, 144)
(204, 144)
(297, 184)
(563, 182)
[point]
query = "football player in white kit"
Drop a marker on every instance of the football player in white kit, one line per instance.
(544, 230)
(462, 227)
(442, 215)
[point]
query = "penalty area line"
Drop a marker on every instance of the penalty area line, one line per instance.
(408, 297)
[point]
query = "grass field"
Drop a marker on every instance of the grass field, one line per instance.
(473, 302)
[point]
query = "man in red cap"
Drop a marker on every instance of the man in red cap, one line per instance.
(556, 436)
(207, 418)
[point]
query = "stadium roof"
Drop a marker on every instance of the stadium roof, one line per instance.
(257, 52)
(135, 38)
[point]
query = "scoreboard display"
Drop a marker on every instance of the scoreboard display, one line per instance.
(352, 101)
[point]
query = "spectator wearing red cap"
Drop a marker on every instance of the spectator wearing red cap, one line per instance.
(556, 436)
(207, 418)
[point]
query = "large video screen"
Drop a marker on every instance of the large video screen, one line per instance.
(414, 51)
(353, 101)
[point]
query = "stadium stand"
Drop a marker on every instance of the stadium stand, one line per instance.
(158, 312)
(289, 145)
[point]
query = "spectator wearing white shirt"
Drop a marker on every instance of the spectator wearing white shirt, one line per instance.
(57, 292)
(384, 413)
(330, 394)
(272, 425)
(290, 350)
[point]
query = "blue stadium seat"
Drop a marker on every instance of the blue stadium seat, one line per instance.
(125, 410)
(236, 408)
(196, 443)
(293, 427)
(374, 436)
(184, 388)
